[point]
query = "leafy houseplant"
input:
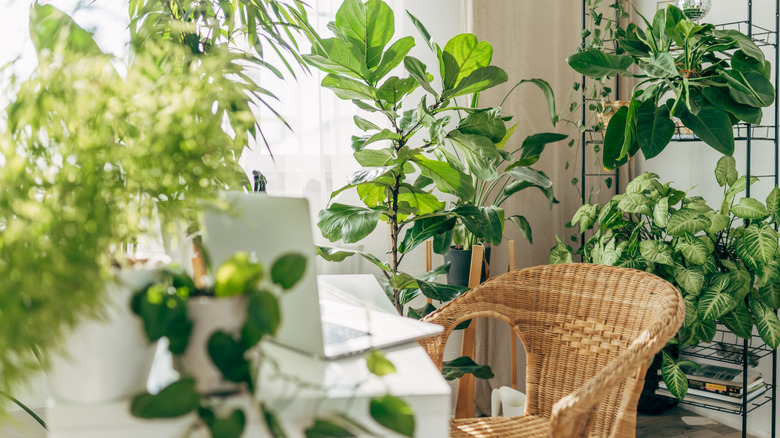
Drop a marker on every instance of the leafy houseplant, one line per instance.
(726, 271)
(359, 65)
(716, 78)
(87, 168)
(166, 309)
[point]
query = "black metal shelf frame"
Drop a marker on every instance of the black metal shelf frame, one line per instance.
(749, 348)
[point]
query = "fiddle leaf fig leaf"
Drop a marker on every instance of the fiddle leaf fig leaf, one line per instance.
(469, 55)
(394, 414)
(673, 376)
(418, 71)
(447, 178)
(487, 123)
(347, 222)
(424, 229)
(479, 80)
(366, 26)
(348, 89)
(393, 89)
(365, 125)
(393, 57)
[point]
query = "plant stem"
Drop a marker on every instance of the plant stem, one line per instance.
(26, 409)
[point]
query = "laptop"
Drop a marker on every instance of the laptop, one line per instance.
(346, 318)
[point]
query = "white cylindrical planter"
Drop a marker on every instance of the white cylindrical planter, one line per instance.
(109, 359)
(209, 315)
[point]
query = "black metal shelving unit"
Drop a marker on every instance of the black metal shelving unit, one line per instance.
(726, 347)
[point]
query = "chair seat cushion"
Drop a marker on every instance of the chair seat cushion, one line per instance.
(526, 426)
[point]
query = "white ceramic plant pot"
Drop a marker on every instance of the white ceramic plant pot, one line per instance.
(108, 359)
(209, 315)
(511, 401)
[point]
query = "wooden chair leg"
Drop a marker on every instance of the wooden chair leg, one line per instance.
(464, 399)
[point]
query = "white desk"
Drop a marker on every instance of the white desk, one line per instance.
(345, 386)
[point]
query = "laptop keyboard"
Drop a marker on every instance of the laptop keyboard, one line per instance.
(335, 333)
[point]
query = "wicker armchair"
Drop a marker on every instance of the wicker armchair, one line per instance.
(589, 332)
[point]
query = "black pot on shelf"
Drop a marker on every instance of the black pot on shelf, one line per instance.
(649, 403)
(460, 263)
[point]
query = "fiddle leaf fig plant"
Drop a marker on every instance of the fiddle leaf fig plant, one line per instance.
(724, 260)
(442, 142)
(711, 79)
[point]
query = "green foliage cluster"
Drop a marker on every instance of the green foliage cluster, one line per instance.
(405, 162)
(93, 158)
(163, 309)
(725, 261)
(717, 78)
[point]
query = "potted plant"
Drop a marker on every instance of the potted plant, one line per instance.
(717, 77)
(723, 261)
(412, 142)
(87, 169)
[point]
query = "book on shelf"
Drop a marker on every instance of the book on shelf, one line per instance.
(752, 393)
(724, 380)
(725, 404)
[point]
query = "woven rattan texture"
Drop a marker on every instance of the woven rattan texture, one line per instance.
(589, 332)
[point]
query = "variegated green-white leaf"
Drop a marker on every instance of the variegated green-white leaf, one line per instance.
(749, 208)
(773, 204)
(766, 322)
(693, 249)
(673, 376)
(656, 251)
(717, 222)
(757, 245)
(713, 304)
(560, 253)
(661, 212)
(770, 294)
(686, 220)
(690, 279)
(739, 321)
(636, 203)
(691, 312)
(726, 171)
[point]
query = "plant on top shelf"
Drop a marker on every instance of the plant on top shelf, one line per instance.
(93, 159)
(709, 78)
(359, 63)
(724, 261)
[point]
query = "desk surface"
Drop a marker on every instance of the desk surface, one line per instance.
(335, 386)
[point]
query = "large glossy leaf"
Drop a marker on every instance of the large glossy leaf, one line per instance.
(486, 122)
(394, 414)
(721, 99)
(335, 56)
(656, 251)
(766, 322)
(392, 58)
(673, 376)
(749, 208)
(441, 292)
(614, 139)
(327, 429)
(468, 54)
(479, 80)
(745, 44)
(456, 368)
(350, 223)
(750, 88)
(487, 223)
(347, 88)
(686, 220)
(424, 229)
(447, 178)
(742, 62)
(367, 26)
(655, 128)
(177, 399)
(413, 200)
(481, 154)
(597, 64)
(713, 304)
(659, 65)
(711, 124)
(393, 90)
(53, 30)
(770, 294)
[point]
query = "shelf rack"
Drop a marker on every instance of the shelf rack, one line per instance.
(752, 348)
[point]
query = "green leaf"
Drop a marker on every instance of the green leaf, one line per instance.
(659, 65)
(487, 223)
(393, 57)
(481, 154)
(534, 145)
(347, 222)
(227, 354)
(726, 171)
(749, 208)
(333, 55)
(694, 250)
(447, 178)
(661, 212)
(766, 322)
(757, 245)
(742, 62)
(690, 279)
(424, 229)
(177, 399)
(368, 27)
(770, 294)
(656, 251)
(524, 177)
(739, 321)
(718, 222)
(394, 414)
(419, 202)
(273, 423)
(348, 89)
(338, 254)
(713, 304)
(422, 312)
(686, 220)
(750, 88)
(327, 429)
(585, 217)
(423, 32)
(418, 71)
(711, 124)
(237, 275)
(263, 318)
(288, 269)
(456, 368)
(393, 90)
(773, 204)
(636, 203)
(365, 125)
(55, 31)
(614, 139)
(468, 54)
(378, 364)
(655, 128)
(523, 225)
(746, 44)
(673, 376)
(486, 123)
(479, 80)
(721, 99)
(231, 426)
(597, 64)
(441, 292)
(560, 253)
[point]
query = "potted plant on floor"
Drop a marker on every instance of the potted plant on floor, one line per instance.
(92, 159)
(726, 271)
(717, 77)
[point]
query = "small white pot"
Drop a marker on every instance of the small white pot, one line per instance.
(209, 315)
(109, 359)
